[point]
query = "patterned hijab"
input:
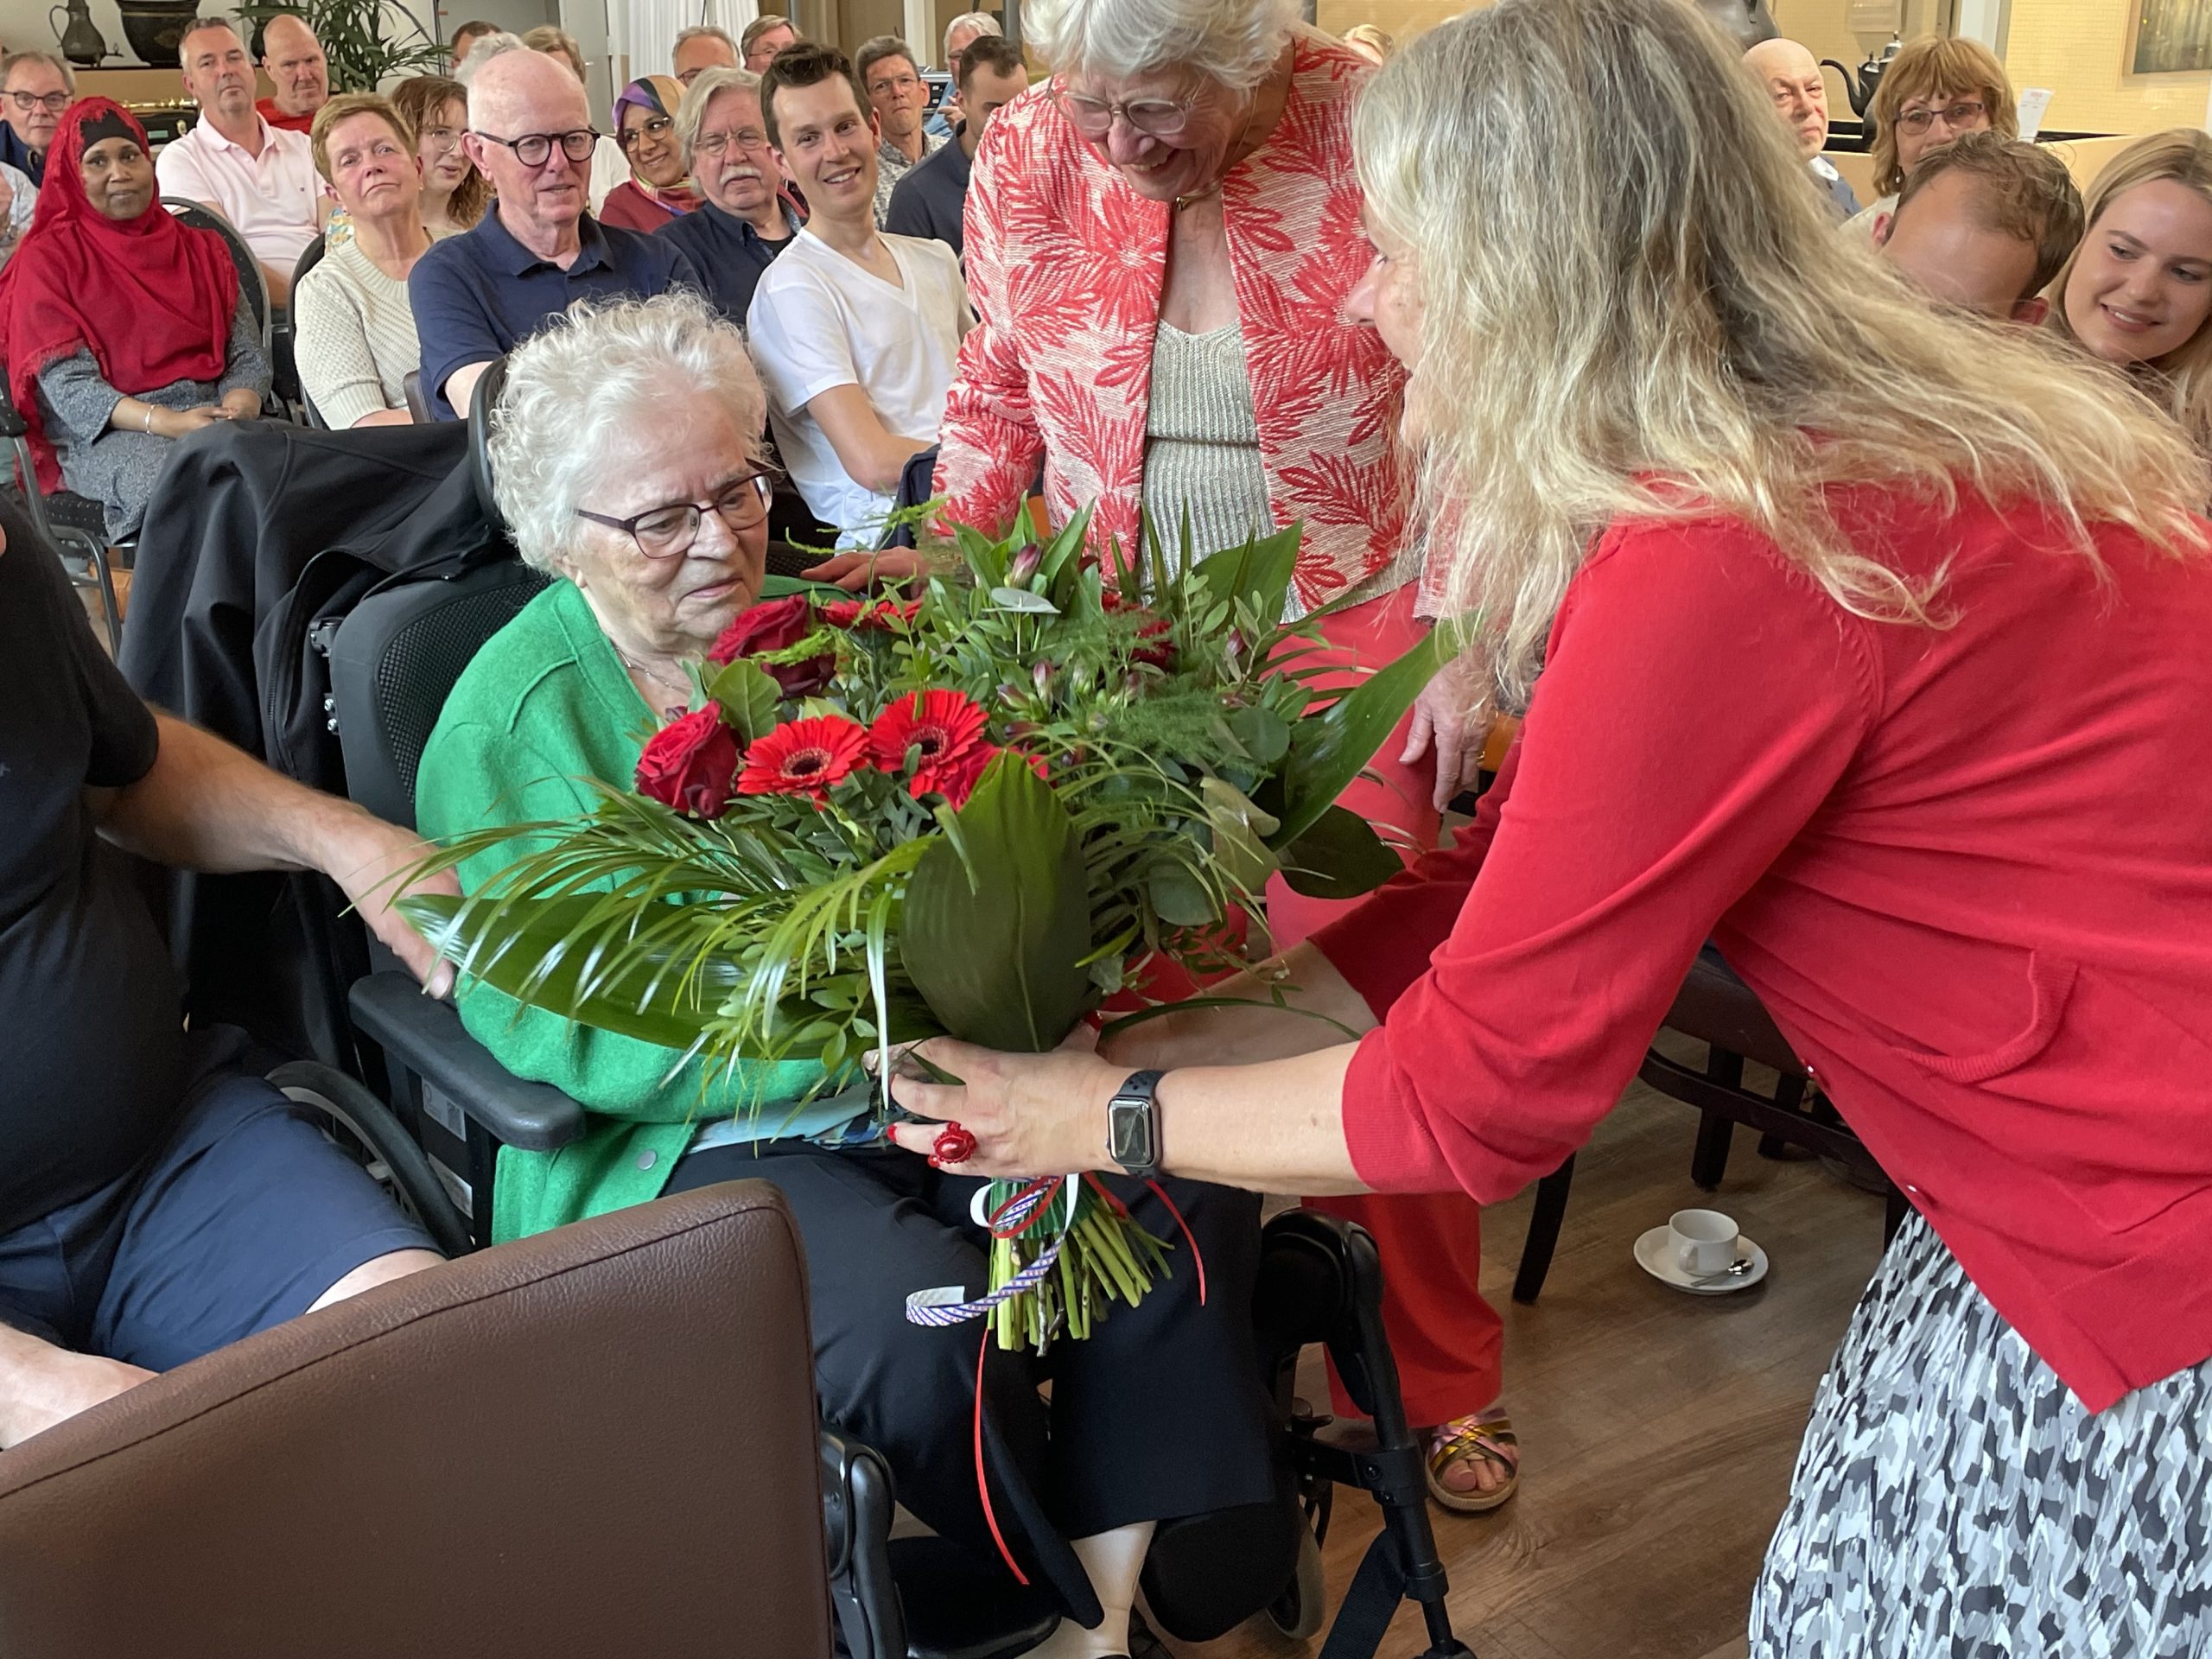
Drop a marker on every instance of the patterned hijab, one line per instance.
(656, 95)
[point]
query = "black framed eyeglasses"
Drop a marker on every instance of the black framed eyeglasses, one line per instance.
(51, 102)
(655, 126)
(532, 149)
(666, 532)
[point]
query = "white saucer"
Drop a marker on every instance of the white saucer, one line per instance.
(1656, 1258)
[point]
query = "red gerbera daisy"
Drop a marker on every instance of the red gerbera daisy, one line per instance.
(803, 757)
(939, 727)
(956, 781)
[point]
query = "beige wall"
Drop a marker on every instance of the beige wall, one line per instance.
(2076, 48)
(2079, 49)
(1403, 18)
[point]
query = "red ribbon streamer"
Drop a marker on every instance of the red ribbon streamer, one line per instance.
(982, 1482)
(1161, 1193)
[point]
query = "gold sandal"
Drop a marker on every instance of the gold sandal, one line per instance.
(1491, 1438)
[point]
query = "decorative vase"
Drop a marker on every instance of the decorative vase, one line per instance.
(156, 29)
(82, 43)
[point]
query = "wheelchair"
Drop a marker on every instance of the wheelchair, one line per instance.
(433, 1138)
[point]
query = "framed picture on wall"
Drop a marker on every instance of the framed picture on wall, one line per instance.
(2171, 37)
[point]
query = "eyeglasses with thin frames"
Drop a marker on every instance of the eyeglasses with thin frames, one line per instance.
(444, 140)
(714, 144)
(1093, 117)
(657, 126)
(668, 531)
(534, 149)
(1969, 112)
(51, 102)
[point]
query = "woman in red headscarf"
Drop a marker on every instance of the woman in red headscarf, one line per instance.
(122, 328)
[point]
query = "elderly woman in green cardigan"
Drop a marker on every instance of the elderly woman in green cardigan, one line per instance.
(626, 457)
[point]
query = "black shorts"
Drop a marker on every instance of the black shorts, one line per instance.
(239, 1220)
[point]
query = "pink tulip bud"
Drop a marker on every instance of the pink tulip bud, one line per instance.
(1041, 677)
(1027, 558)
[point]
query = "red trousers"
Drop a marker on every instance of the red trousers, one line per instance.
(1446, 1338)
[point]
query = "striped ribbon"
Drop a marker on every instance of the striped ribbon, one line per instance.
(943, 1305)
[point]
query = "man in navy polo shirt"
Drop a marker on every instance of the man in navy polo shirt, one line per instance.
(478, 297)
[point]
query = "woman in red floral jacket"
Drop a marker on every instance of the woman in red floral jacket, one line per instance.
(1159, 245)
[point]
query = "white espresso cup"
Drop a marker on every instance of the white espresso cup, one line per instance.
(1703, 1241)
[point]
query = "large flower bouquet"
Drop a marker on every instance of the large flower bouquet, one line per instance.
(981, 812)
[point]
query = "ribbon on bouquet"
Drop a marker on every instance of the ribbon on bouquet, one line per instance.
(948, 1305)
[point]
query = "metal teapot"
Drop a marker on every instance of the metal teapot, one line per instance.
(1859, 89)
(1746, 21)
(81, 42)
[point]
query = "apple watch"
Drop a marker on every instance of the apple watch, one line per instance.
(1133, 1125)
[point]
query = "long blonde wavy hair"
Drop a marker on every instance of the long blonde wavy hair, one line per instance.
(1633, 308)
(2182, 379)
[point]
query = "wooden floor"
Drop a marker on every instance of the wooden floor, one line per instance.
(1657, 1429)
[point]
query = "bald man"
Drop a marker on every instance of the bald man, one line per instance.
(478, 296)
(1791, 77)
(292, 59)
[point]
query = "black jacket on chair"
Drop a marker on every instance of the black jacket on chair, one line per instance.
(258, 538)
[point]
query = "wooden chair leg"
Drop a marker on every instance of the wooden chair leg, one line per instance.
(1895, 1210)
(1709, 1161)
(1790, 1095)
(1544, 1218)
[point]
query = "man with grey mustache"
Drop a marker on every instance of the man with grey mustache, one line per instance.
(747, 218)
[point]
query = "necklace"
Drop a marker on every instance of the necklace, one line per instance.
(682, 689)
(1237, 154)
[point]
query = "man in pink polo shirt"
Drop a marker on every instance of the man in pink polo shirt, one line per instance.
(259, 177)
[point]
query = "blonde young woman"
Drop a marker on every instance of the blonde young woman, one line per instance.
(2138, 292)
(1872, 642)
(1934, 91)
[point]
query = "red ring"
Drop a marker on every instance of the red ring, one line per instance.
(953, 1145)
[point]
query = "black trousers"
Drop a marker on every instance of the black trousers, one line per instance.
(1159, 1413)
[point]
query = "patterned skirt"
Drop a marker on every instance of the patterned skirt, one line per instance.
(1953, 1499)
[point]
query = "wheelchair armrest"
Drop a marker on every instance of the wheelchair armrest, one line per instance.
(427, 1037)
(11, 424)
(856, 1514)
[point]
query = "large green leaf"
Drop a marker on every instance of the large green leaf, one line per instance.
(994, 940)
(576, 957)
(1259, 572)
(1328, 749)
(1240, 831)
(1340, 857)
(748, 695)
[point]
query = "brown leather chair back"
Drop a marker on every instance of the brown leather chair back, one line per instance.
(600, 1441)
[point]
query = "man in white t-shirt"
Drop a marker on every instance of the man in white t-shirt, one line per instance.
(856, 333)
(259, 177)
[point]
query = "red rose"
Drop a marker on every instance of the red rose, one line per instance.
(690, 764)
(941, 727)
(770, 627)
(875, 615)
(1161, 653)
(776, 625)
(803, 757)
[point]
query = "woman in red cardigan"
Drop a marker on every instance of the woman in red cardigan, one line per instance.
(1873, 650)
